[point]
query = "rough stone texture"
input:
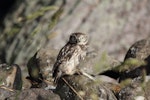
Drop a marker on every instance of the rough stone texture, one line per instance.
(137, 89)
(34, 94)
(112, 25)
(139, 51)
(40, 66)
(4, 93)
(10, 76)
(27, 94)
(79, 87)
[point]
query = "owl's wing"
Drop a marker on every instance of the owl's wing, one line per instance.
(66, 52)
(56, 73)
(64, 55)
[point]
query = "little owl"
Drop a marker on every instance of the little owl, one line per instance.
(70, 55)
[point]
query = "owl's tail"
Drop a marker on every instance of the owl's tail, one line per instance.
(56, 75)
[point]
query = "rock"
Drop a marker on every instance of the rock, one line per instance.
(5, 93)
(136, 90)
(10, 76)
(139, 50)
(96, 63)
(136, 62)
(24, 35)
(34, 94)
(33, 69)
(139, 54)
(80, 87)
(46, 58)
(40, 66)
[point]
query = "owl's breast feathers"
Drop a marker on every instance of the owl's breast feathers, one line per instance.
(63, 56)
(68, 58)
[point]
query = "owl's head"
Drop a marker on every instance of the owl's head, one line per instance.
(78, 38)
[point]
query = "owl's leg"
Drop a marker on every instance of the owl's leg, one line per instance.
(83, 55)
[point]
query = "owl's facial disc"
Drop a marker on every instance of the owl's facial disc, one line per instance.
(83, 40)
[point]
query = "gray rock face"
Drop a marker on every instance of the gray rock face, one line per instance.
(112, 25)
(34, 94)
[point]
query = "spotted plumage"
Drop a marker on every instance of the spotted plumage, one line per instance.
(70, 55)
